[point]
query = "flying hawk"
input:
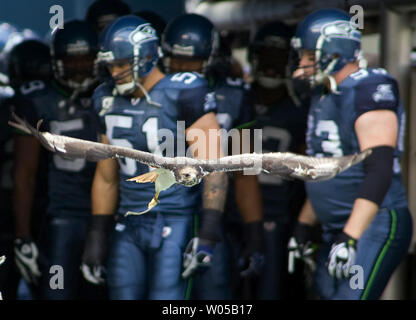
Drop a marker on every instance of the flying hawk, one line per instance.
(190, 171)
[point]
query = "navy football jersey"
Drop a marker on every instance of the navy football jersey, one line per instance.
(331, 133)
(134, 123)
(6, 161)
(69, 181)
(234, 105)
(283, 130)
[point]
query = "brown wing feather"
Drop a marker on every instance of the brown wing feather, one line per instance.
(146, 177)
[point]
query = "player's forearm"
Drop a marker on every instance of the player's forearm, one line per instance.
(307, 215)
(22, 205)
(248, 197)
(104, 195)
(215, 191)
(213, 203)
(104, 198)
(26, 157)
(362, 214)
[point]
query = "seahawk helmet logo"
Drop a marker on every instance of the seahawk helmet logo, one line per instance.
(384, 93)
(341, 29)
(142, 33)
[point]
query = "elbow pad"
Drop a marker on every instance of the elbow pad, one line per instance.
(378, 168)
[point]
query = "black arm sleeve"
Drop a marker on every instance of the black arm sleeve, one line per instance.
(378, 169)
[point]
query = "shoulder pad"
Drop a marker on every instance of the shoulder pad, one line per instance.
(376, 91)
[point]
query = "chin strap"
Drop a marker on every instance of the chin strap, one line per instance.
(148, 99)
(333, 86)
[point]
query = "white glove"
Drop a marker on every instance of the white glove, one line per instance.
(26, 258)
(342, 256)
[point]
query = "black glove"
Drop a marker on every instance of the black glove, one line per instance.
(252, 260)
(26, 256)
(301, 247)
(342, 256)
(96, 247)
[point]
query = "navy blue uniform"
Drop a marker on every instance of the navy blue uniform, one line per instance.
(8, 274)
(234, 110)
(69, 181)
(283, 130)
(145, 257)
(234, 105)
(331, 133)
(6, 161)
(183, 99)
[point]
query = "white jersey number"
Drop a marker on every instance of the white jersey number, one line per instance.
(150, 128)
(333, 144)
(60, 127)
(185, 77)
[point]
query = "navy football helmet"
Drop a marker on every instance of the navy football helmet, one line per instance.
(129, 40)
(332, 39)
(268, 54)
(28, 61)
(189, 36)
(157, 22)
(102, 12)
(74, 51)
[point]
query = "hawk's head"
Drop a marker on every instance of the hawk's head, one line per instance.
(188, 175)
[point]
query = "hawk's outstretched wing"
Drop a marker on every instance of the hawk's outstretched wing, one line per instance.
(78, 148)
(285, 165)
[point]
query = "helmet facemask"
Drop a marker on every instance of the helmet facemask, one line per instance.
(77, 72)
(269, 66)
(311, 68)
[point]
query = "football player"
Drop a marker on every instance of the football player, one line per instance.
(366, 224)
(102, 12)
(27, 61)
(8, 276)
(139, 108)
(283, 124)
(189, 42)
(64, 106)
